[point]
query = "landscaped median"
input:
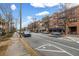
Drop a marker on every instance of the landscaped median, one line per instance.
(29, 49)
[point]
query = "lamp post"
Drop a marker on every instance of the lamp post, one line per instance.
(63, 8)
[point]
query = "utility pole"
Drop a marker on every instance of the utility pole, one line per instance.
(20, 18)
(64, 10)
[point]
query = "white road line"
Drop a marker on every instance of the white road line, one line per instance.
(41, 46)
(61, 48)
(63, 45)
(61, 39)
(54, 50)
(51, 50)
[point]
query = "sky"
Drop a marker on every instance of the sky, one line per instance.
(32, 11)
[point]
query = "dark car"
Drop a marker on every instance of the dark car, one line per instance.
(26, 34)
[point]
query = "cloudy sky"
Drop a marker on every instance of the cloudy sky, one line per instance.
(32, 11)
(36, 11)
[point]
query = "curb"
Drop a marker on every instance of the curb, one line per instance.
(28, 48)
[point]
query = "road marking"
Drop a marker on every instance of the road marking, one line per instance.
(62, 44)
(63, 49)
(44, 47)
(41, 46)
(65, 45)
(50, 50)
(60, 38)
(60, 48)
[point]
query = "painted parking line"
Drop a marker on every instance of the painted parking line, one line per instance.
(52, 45)
(62, 50)
(42, 46)
(58, 47)
(61, 44)
(51, 50)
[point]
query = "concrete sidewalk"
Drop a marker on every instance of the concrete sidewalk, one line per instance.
(73, 38)
(15, 47)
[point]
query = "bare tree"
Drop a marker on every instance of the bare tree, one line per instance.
(46, 22)
(6, 14)
(63, 8)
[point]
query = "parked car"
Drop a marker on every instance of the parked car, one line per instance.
(56, 34)
(26, 34)
(45, 32)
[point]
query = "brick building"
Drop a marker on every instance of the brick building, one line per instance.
(56, 23)
(72, 20)
(67, 20)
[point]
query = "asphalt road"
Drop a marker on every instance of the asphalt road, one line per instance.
(51, 46)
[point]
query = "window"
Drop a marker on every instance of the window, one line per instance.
(73, 20)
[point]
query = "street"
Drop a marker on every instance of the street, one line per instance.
(51, 46)
(39, 29)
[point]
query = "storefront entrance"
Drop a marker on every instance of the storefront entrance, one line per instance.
(73, 30)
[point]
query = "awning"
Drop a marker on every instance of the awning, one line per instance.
(56, 29)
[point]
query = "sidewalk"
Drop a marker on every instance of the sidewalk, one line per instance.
(73, 38)
(15, 48)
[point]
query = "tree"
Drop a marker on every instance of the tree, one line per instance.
(45, 19)
(6, 13)
(63, 8)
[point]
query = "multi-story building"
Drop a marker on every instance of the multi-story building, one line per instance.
(56, 23)
(71, 20)
(67, 20)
